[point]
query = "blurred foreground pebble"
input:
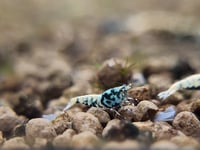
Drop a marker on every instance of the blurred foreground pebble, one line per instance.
(8, 119)
(39, 128)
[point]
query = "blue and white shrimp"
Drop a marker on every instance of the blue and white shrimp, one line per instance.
(108, 99)
(189, 83)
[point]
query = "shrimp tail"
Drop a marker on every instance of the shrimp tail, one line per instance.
(175, 87)
(71, 103)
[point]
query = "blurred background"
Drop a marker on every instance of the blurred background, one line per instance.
(92, 31)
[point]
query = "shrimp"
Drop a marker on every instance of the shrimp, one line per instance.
(189, 83)
(108, 99)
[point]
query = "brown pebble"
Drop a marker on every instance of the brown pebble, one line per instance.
(53, 88)
(39, 128)
(62, 122)
(195, 108)
(145, 125)
(140, 93)
(160, 130)
(163, 130)
(183, 106)
(102, 115)
(163, 145)
(40, 143)
(65, 139)
(145, 110)
(127, 112)
(156, 102)
(85, 139)
(62, 141)
(175, 99)
(15, 143)
(114, 72)
(86, 122)
(112, 123)
(19, 130)
(185, 141)
(120, 130)
(74, 110)
(1, 137)
(29, 104)
(8, 119)
(188, 123)
(69, 132)
(127, 144)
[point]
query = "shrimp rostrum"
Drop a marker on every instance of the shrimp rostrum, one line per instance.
(108, 99)
(189, 83)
